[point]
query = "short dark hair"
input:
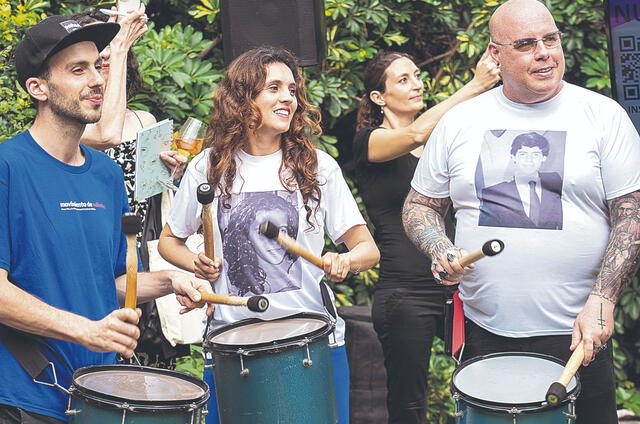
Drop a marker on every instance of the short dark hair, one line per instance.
(530, 139)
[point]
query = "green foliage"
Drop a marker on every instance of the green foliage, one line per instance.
(192, 364)
(628, 397)
(627, 334)
(179, 83)
(16, 112)
(440, 405)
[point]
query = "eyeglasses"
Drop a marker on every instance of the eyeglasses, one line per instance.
(527, 45)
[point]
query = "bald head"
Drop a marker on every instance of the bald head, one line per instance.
(516, 14)
(526, 44)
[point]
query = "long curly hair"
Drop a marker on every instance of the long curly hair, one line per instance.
(235, 114)
(245, 272)
(134, 81)
(375, 78)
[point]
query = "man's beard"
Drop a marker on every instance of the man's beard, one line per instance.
(69, 109)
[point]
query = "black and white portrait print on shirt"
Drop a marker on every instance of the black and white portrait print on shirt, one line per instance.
(519, 179)
(255, 264)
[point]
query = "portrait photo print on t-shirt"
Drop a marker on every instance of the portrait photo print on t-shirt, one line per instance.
(519, 179)
(255, 264)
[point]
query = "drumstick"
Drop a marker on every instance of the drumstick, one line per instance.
(558, 390)
(131, 225)
(205, 197)
(268, 229)
(254, 303)
(490, 248)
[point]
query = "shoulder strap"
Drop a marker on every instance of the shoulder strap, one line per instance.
(25, 349)
(139, 120)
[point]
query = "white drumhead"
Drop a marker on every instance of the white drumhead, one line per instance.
(268, 331)
(137, 385)
(509, 379)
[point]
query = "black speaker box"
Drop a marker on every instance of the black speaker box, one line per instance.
(368, 385)
(296, 25)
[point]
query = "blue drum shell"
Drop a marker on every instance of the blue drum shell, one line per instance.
(90, 406)
(278, 388)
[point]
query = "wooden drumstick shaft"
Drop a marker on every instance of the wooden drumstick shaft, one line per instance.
(223, 299)
(574, 362)
(205, 194)
(131, 226)
(131, 293)
(207, 231)
(271, 231)
(471, 258)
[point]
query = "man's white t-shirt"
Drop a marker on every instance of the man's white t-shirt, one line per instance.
(252, 263)
(540, 282)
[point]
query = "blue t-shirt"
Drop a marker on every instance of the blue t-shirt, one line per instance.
(61, 241)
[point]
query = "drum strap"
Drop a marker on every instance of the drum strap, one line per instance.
(25, 349)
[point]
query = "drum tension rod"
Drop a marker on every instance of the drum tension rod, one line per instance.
(69, 411)
(307, 362)
(458, 412)
(514, 411)
(571, 413)
(243, 371)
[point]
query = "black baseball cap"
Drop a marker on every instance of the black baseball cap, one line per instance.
(53, 34)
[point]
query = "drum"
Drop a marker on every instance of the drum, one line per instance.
(132, 394)
(278, 371)
(510, 388)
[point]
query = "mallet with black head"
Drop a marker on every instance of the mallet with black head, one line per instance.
(268, 229)
(558, 390)
(205, 196)
(490, 248)
(253, 303)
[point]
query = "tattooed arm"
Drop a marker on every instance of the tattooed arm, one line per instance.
(595, 323)
(423, 221)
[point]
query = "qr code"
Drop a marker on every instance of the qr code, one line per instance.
(630, 66)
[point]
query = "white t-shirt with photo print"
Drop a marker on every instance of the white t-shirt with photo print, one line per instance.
(253, 264)
(540, 282)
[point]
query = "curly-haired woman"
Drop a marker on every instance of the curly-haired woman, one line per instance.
(259, 142)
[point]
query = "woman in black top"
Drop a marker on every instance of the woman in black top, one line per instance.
(408, 304)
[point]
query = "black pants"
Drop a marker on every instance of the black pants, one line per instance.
(406, 321)
(597, 401)
(13, 415)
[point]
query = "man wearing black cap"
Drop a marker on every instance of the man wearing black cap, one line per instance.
(61, 244)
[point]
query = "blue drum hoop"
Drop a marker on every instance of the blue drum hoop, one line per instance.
(95, 397)
(273, 346)
(524, 408)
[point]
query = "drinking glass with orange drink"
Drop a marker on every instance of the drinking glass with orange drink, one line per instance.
(188, 140)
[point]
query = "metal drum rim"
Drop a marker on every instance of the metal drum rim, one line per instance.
(117, 402)
(506, 407)
(272, 346)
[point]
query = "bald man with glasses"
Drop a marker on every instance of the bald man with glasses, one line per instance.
(554, 285)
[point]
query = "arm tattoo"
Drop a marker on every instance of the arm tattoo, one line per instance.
(621, 256)
(422, 218)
